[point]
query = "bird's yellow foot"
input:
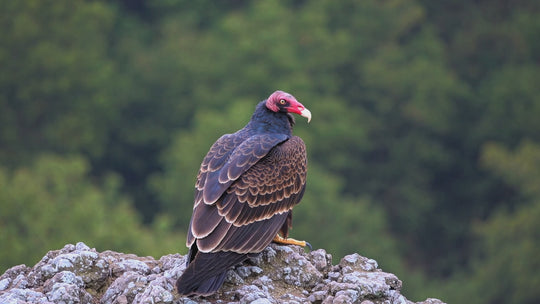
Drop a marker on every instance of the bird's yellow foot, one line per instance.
(290, 241)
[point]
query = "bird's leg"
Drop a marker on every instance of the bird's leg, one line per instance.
(290, 241)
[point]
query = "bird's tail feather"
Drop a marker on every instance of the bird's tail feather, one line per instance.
(207, 272)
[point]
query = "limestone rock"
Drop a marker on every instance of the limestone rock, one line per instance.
(280, 274)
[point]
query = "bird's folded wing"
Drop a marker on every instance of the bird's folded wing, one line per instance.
(255, 206)
(273, 185)
(227, 160)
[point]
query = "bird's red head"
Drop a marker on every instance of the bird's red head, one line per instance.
(281, 101)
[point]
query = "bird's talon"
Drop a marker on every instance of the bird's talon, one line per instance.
(290, 241)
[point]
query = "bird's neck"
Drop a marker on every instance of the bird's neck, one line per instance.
(266, 121)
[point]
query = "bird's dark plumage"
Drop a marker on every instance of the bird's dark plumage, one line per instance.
(246, 188)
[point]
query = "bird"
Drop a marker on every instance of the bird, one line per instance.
(246, 188)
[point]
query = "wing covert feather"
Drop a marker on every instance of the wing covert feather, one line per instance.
(219, 175)
(273, 185)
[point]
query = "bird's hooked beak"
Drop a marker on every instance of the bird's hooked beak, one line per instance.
(306, 113)
(299, 109)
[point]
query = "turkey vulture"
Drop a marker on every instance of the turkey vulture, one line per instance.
(246, 188)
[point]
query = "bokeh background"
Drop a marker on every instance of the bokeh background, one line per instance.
(424, 147)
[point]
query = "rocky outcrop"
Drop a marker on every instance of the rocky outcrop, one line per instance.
(280, 274)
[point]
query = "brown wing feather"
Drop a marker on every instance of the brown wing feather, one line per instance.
(228, 159)
(273, 185)
(244, 239)
(255, 206)
(215, 159)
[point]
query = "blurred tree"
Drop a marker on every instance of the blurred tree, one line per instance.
(54, 202)
(504, 268)
(511, 98)
(54, 80)
(482, 36)
(79, 77)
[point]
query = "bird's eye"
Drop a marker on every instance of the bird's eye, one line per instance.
(282, 101)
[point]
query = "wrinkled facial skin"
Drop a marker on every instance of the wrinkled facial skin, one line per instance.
(281, 101)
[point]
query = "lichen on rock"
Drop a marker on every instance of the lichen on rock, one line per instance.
(280, 274)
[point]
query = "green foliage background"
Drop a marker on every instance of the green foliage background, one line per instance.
(423, 149)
